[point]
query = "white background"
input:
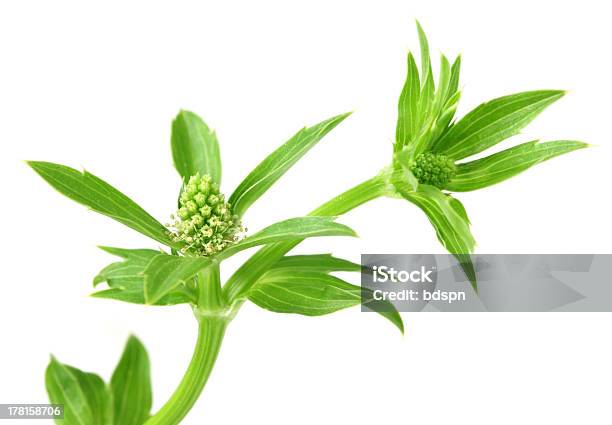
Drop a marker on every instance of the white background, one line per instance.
(97, 85)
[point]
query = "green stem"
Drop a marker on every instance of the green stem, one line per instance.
(214, 311)
(245, 277)
(213, 318)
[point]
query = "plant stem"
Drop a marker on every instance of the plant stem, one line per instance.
(213, 318)
(245, 277)
(214, 311)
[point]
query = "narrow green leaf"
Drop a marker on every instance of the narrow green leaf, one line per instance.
(127, 273)
(166, 272)
(425, 58)
(195, 148)
(89, 190)
(407, 108)
(444, 81)
(136, 296)
(291, 229)
(449, 219)
(308, 293)
(453, 85)
(322, 263)
(278, 163)
(126, 278)
(508, 163)
(85, 397)
(131, 385)
(131, 254)
(493, 122)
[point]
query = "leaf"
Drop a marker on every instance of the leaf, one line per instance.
(195, 148)
(323, 263)
(308, 294)
(453, 85)
(136, 296)
(293, 228)
(508, 163)
(278, 163)
(493, 122)
(166, 272)
(131, 254)
(407, 108)
(131, 385)
(444, 83)
(127, 273)
(126, 278)
(425, 59)
(449, 219)
(85, 397)
(89, 190)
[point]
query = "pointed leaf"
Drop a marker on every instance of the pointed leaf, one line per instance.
(126, 278)
(278, 163)
(136, 296)
(142, 254)
(444, 83)
(493, 122)
(453, 85)
(131, 385)
(85, 397)
(449, 219)
(127, 273)
(308, 293)
(425, 58)
(407, 108)
(195, 148)
(291, 229)
(95, 193)
(166, 272)
(323, 263)
(508, 163)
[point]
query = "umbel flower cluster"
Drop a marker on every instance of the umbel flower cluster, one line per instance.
(433, 169)
(204, 222)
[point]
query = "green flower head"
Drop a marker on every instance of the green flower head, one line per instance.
(433, 169)
(204, 222)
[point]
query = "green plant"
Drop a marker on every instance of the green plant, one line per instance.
(426, 165)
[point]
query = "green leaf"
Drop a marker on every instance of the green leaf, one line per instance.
(85, 397)
(141, 254)
(131, 385)
(195, 148)
(449, 219)
(308, 294)
(136, 296)
(322, 263)
(493, 122)
(407, 108)
(278, 163)
(166, 272)
(444, 83)
(291, 229)
(89, 190)
(453, 85)
(126, 278)
(127, 273)
(508, 163)
(425, 58)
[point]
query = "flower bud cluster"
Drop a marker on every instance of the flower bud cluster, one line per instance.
(433, 169)
(204, 222)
